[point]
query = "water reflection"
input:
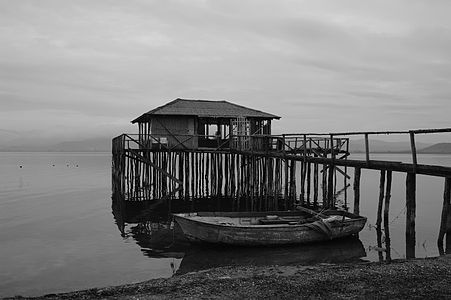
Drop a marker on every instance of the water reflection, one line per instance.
(200, 257)
(445, 249)
(151, 229)
(158, 237)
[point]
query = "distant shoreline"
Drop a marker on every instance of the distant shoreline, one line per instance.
(53, 151)
(109, 151)
(399, 152)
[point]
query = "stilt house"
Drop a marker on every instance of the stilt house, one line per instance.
(197, 124)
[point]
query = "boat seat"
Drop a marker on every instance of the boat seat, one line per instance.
(265, 221)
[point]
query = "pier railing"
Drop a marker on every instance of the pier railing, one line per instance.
(286, 143)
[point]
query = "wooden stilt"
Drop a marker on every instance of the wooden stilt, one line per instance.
(379, 213)
(410, 214)
(386, 216)
(357, 173)
(444, 229)
(315, 185)
(330, 187)
(381, 199)
(309, 174)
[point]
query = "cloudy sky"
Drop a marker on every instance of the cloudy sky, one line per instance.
(81, 69)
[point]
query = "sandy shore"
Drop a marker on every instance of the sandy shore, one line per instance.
(414, 279)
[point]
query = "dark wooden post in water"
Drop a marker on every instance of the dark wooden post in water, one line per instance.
(379, 214)
(315, 184)
(414, 151)
(386, 216)
(330, 179)
(357, 173)
(410, 214)
(381, 199)
(367, 149)
(445, 227)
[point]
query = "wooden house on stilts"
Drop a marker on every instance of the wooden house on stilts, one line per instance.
(202, 124)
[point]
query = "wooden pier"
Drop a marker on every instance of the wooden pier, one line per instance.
(243, 167)
(274, 179)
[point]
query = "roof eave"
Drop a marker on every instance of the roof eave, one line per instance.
(149, 115)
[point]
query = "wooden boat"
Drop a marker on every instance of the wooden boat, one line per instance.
(268, 228)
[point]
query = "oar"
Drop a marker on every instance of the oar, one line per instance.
(312, 212)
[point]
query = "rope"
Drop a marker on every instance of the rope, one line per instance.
(321, 227)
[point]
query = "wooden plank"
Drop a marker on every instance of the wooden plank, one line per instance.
(394, 166)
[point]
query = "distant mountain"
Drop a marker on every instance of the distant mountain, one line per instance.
(358, 146)
(440, 148)
(89, 145)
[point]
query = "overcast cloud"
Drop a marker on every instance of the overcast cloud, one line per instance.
(81, 69)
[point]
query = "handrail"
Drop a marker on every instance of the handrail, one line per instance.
(289, 142)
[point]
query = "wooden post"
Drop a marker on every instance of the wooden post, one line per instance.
(309, 172)
(346, 175)
(381, 199)
(303, 170)
(444, 229)
(286, 183)
(315, 185)
(414, 151)
(330, 179)
(324, 185)
(302, 195)
(332, 147)
(357, 173)
(379, 213)
(293, 184)
(367, 148)
(330, 187)
(410, 214)
(386, 216)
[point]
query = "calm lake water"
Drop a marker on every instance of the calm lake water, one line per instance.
(58, 231)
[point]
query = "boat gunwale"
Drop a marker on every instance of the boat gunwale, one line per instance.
(186, 216)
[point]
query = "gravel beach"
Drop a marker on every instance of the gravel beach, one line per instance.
(414, 279)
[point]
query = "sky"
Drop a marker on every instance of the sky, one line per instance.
(72, 70)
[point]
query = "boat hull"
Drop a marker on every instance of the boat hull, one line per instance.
(197, 229)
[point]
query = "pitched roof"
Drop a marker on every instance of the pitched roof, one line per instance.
(205, 109)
